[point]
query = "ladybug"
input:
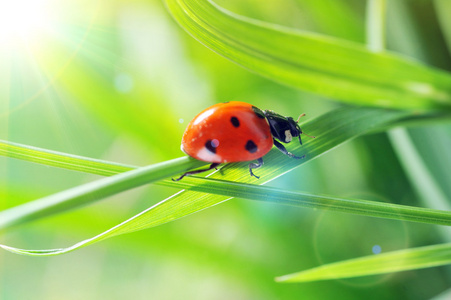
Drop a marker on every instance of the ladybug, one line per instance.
(237, 131)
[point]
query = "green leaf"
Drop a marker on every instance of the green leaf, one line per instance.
(331, 130)
(403, 260)
(330, 203)
(331, 67)
(341, 19)
(93, 191)
(442, 8)
(61, 160)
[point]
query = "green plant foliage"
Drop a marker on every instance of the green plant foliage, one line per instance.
(332, 129)
(60, 160)
(403, 260)
(345, 71)
(84, 194)
(115, 83)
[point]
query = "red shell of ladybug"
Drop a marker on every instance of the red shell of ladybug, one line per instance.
(228, 132)
(237, 131)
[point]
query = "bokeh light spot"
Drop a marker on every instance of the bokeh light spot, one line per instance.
(215, 143)
(377, 249)
(123, 83)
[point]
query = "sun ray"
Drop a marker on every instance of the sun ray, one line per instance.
(33, 30)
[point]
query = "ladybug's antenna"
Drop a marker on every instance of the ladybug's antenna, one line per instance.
(310, 136)
(297, 121)
(302, 115)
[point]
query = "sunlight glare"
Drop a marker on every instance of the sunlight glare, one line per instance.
(23, 19)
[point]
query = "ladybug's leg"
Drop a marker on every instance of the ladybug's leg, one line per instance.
(212, 166)
(255, 166)
(284, 151)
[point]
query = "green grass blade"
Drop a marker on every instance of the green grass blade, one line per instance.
(396, 261)
(108, 168)
(159, 214)
(94, 191)
(442, 9)
(61, 160)
(227, 188)
(331, 130)
(335, 68)
(298, 199)
(442, 118)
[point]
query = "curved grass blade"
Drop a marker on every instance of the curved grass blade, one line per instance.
(159, 214)
(396, 261)
(86, 193)
(331, 130)
(331, 67)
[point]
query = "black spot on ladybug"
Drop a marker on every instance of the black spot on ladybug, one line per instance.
(235, 121)
(211, 146)
(251, 147)
(258, 112)
(225, 102)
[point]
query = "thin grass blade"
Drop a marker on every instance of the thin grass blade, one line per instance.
(331, 130)
(396, 261)
(232, 189)
(305, 200)
(93, 191)
(61, 160)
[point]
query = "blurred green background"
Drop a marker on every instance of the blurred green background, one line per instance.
(120, 80)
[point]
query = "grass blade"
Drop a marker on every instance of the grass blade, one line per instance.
(396, 261)
(393, 261)
(107, 168)
(331, 129)
(61, 160)
(298, 199)
(335, 68)
(94, 191)
(227, 188)
(159, 213)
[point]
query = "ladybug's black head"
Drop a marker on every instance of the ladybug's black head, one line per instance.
(283, 128)
(295, 130)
